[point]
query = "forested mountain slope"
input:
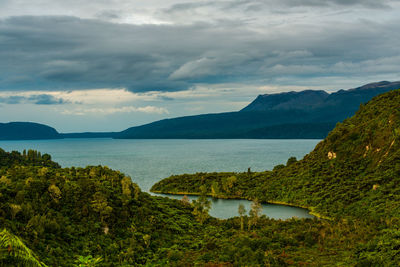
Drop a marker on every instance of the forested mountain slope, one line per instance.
(351, 178)
(355, 171)
(94, 216)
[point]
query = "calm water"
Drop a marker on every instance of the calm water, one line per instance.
(148, 161)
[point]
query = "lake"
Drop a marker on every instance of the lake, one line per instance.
(150, 160)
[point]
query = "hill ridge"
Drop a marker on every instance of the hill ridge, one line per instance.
(256, 121)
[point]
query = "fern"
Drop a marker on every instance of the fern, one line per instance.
(14, 252)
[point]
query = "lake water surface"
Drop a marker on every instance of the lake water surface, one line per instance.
(148, 161)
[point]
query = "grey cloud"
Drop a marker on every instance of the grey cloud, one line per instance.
(44, 99)
(109, 14)
(41, 99)
(66, 53)
(165, 98)
(274, 6)
(362, 3)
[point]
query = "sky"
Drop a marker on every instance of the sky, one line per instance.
(106, 65)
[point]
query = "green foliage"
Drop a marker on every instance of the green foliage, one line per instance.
(13, 252)
(201, 206)
(242, 212)
(352, 175)
(254, 213)
(215, 188)
(382, 250)
(62, 213)
(31, 158)
(291, 160)
(88, 261)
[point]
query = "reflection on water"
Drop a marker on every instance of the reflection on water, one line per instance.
(227, 208)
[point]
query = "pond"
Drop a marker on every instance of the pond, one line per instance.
(227, 208)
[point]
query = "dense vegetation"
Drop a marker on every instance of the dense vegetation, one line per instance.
(353, 175)
(96, 216)
(63, 213)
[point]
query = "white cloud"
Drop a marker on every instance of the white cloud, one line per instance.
(87, 97)
(113, 110)
(195, 69)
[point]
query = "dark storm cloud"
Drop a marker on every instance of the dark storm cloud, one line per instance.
(67, 53)
(277, 5)
(41, 99)
(362, 3)
(70, 52)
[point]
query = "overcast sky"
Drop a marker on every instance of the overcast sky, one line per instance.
(106, 65)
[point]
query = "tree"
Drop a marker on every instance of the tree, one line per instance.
(146, 239)
(88, 261)
(214, 188)
(5, 180)
(254, 213)
(15, 209)
(201, 206)
(185, 200)
(55, 193)
(228, 183)
(291, 160)
(14, 252)
(126, 183)
(100, 205)
(242, 212)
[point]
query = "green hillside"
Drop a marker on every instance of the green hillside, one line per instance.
(351, 176)
(64, 213)
(96, 216)
(354, 171)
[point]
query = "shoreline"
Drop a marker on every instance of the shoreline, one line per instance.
(276, 202)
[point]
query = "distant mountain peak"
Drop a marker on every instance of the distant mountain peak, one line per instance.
(311, 99)
(377, 85)
(287, 100)
(27, 131)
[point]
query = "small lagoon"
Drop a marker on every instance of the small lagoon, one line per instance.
(227, 208)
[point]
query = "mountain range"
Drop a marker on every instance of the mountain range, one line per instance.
(308, 114)
(305, 114)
